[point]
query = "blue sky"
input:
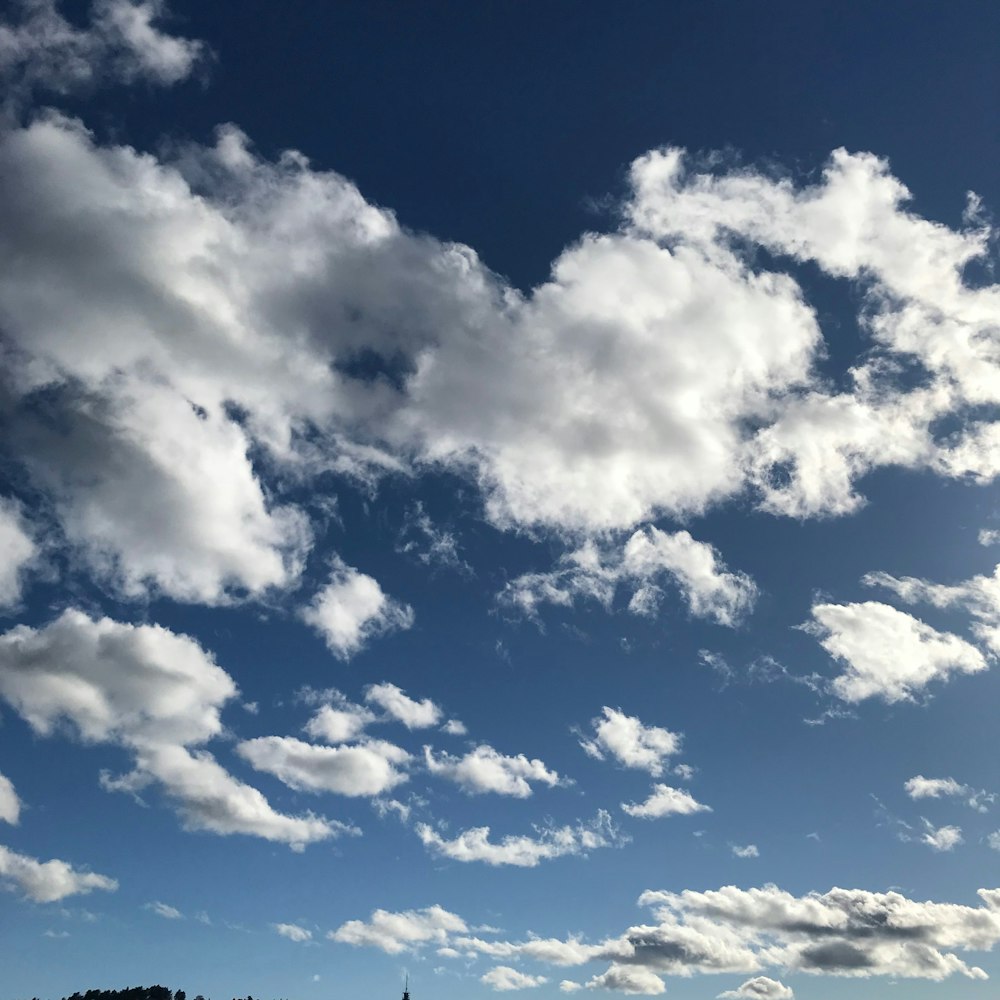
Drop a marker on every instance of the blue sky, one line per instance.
(500, 494)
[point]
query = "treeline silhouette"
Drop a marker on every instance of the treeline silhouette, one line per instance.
(139, 993)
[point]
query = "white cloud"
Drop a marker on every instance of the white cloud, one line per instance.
(887, 653)
(919, 787)
(164, 910)
(851, 224)
(352, 609)
(339, 724)
(10, 804)
(944, 838)
(745, 851)
(293, 932)
(665, 801)
(210, 536)
(120, 42)
(629, 980)
(989, 536)
(523, 851)
(569, 986)
(485, 770)
(112, 681)
(759, 988)
(647, 557)
(503, 978)
(365, 769)
(454, 727)
(978, 596)
(394, 933)
(17, 551)
(845, 932)
(707, 363)
(395, 703)
(628, 741)
(48, 881)
(210, 798)
(155, 693)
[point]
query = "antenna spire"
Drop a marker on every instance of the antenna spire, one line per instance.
(406, 988)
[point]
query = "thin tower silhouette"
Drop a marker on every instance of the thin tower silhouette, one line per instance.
(406, 988)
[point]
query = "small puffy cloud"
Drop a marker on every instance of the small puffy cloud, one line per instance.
(48, 881)
(944, 838)
(989, 536)
(647, 559)
(397, 705)
(17, 551)
(759, 988)
(365, 769)
(503, 978)
(352, 609)
(293, 932)
(745, 851)
(339, 723)
(485, 770)
(631, 980)
(887, 653)
(454, 727)
(523, 851)
(164, 910)
(408, 930)
(569, 986)
(110, 681)
(665, 801)
(625, 739)
(10, 804)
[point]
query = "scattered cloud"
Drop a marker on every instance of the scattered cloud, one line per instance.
(745, 851)
(665, 801)
(352, 609)
(156, 693)
(629, 980)
(396, 705)
(887, 653)
(759, 988)
(294, 932)
(919, 787)
(48, 881)
(395, 933)
(10, 804)
(364, 769)
(485, 770)
(163, 910)
(944, 838)
(524, 851)
(121, 42)
(625, 739)
(339, 724)
(646, 559)
(429, 544)
(503, 978)
(978, 596)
